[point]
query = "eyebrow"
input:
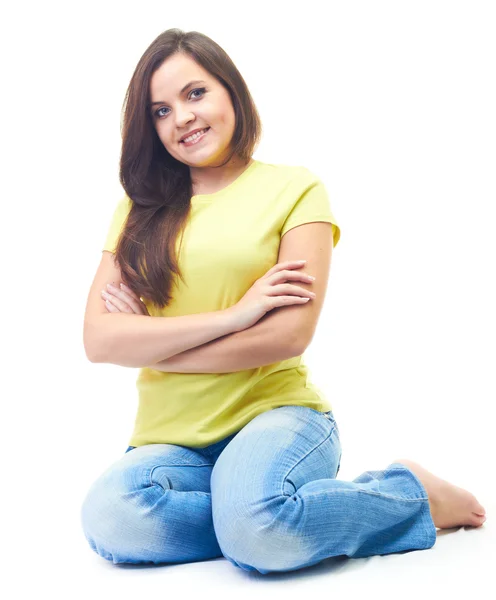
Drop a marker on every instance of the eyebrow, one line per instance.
(183, 90)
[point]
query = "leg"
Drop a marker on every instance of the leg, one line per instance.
(277, 506)
(153, 505)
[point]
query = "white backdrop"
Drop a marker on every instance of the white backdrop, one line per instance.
(392, 105)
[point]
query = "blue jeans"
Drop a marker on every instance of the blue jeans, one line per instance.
(266, 498)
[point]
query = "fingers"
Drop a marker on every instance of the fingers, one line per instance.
(140, 302)
(291, 290)
(286, 274)
(110, 307)
(297, 290)
(124, 302)
(118, 304)
(290, 264)
(129, 291)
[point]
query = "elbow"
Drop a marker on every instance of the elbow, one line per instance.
(300, 344)
(95, 353)
(91, 355)
(93, 358)
(297, 350)
(88, 349)
(92, 344)
(291, 350)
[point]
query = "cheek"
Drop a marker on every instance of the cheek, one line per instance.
(164, 135)
(219, 112)
(226, 122)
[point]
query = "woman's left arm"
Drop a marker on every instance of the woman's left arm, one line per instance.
(257, 346)
(265, 343)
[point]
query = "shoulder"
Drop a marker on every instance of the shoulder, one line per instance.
(122, 208)
(294, 176)
(125, 203)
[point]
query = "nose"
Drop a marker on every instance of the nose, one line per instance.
(182, 119)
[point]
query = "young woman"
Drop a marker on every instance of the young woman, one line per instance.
(234, 450)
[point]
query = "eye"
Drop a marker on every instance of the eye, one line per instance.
(202, 90)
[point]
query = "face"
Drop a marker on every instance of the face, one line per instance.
(176, 112)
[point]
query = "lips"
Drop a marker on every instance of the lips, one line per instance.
(204, 130)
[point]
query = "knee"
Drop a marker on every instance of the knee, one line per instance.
(258, 540)
(265, 551)
(102, 516)
(110, 516)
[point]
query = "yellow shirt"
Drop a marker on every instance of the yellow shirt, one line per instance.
(231, 239)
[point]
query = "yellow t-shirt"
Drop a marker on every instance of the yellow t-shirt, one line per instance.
(231, 239)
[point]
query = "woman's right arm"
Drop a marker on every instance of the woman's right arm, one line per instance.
(137, 341)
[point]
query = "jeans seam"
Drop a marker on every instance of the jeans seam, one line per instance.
(169, 466)
(341, 491)
(303, 458)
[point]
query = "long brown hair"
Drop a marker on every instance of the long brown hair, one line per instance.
(158, 185)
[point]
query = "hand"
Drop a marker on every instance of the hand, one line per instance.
(271, 291)
(124, 300)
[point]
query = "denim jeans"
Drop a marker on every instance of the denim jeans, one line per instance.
(266, 498)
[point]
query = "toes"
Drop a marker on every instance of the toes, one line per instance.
(478, 520)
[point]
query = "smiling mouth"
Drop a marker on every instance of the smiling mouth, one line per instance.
(197, 138)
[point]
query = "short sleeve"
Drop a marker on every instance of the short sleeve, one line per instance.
(119, 217)
(311, 204)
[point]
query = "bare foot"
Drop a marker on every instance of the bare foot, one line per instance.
(451, 506)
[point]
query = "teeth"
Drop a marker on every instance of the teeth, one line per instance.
(195, 135)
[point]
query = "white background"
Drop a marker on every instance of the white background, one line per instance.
(392, 105)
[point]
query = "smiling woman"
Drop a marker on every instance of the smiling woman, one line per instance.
(204, 112)
(235, 426)
(190, 127)
(184, 85)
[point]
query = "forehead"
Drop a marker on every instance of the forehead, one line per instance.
(173, 74)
